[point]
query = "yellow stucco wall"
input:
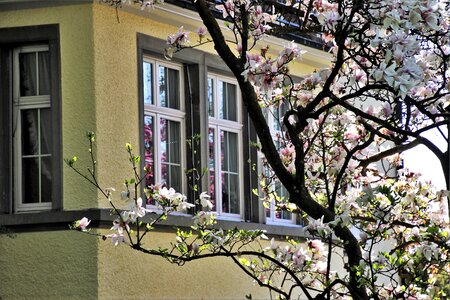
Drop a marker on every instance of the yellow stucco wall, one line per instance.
(128, 274)
(77, 84)
(48, 265)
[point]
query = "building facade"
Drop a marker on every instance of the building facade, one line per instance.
(68, 67)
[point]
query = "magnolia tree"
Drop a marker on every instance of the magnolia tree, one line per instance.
(388, 83)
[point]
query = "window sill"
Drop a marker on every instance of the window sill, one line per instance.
(60, 220)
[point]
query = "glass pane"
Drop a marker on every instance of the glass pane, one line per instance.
(234, 193)
(44, 73)
(229, 149)
(282, 193)
(170, 153)
(231, 102)
(27, 70)
(30, 134)
(170, 141)
(148, 82)
(30, 180)
(46, 130)
(212, 166)
(46, 179)
(278, 115)
(230, 193)
(174, 177)
(227, 101)
(169, 87)
(211, 96)
(149, 149)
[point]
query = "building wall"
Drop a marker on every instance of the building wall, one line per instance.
(77, 84)
(48, 265)
(100, 93)
(59, 264)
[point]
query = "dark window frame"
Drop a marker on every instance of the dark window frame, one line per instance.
(10, 38)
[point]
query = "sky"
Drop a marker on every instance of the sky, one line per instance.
(421, 159)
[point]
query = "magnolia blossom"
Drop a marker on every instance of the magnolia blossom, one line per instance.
(205, 201)
(201, 32)
(83, 223)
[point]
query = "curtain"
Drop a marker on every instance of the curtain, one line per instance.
(44, 73)
(28, 76)
(173, 91)
(231, 102)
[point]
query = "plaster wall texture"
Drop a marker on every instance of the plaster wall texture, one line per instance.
(48, 265)
(77, 84)
(142, 276)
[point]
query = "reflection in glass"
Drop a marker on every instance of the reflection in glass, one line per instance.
(149, 148)
(281, 192)
(212, 166)
(230, 175)
(147, 79)
(227, 100)
(211, 96)
(169, 87)
(170, 145)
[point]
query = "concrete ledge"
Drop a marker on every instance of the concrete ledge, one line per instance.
(60, 220)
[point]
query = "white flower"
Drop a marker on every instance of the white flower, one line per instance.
(205, 202)
(184, 206)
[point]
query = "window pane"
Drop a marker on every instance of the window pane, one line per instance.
(148, 82)
(230, 193)
(169, 87)
(212, 166)
(149, 149)
(28, 76)
(174, 177)
(46, 179)
(44, 73)
(30, 135)
(211, 96)
(227, 101)
(230, 175)
(282, 193)
(278, 115)
(170, 141)
(170, 153)
(46, 130)
(229, 151)
(30, 180)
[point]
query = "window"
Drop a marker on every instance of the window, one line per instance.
(30, 119)
(163, 123)
(278, 194)
(225, 142)
(32, 122)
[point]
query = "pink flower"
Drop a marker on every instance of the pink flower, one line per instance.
(201, 31)
(83, 223)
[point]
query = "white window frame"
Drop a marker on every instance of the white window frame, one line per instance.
(22, 103)
(217, 125)
(157, 113)
(273, 218)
